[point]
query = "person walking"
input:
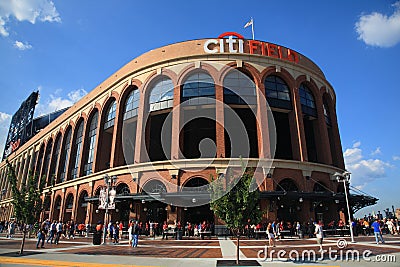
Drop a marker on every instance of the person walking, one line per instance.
(135, 231)
(11, 229)
(377, 231)
(319, 234)
(52, 232)
(270, 235)
(59, 231)
(41, 235)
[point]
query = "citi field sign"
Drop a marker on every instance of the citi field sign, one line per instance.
(226, 43)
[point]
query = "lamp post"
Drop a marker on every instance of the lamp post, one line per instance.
(109, 181)
(345, 178)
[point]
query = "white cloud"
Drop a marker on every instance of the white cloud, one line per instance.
(27, 10)
(5, 120)
(396, 158)
(377, 151)
(57, 102)
(363, 170)
(22, 46)
(378, 29)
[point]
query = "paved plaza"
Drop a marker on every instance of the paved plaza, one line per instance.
(196, 252)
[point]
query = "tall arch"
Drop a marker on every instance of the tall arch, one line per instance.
(158, 127)
(240, 94)
(330, 126)
(287, 206)
(76, 150)
(82, 208)
(64, 158)
(90, 143)
(279, 99)
(106, 133)
(47, 157)
(68, 207)
(310, 121)
(57, 208)
(55, 160)
(198, 88)
(127, 127)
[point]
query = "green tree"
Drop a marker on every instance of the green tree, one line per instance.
(27, 201)
(239, 206)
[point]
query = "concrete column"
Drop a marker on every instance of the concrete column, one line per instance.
(220, 121)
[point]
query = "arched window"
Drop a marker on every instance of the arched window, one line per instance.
(47, 159)
(198, 85)
(91, 139)
(54, 160)
(132, 104)
(196, 184)
(78, 144)
(307, 101)
(154, 186)
(69, 203)
(326, 113)
(110, 115)
(319, 187)
(39, 160)
(239, 89)
(161, 94)
(277, 92)
(287, 185)
(123, 189)
(65, 154)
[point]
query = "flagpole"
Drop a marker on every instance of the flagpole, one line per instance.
(252, 27)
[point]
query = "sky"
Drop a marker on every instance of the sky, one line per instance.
(66, 48)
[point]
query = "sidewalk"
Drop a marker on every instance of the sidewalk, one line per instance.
(195, 252)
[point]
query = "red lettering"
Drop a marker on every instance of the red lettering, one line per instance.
(292, 56)
(253, 46)
(272, 50)
(263, 48)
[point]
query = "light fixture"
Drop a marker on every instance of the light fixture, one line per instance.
(116, 210)
(143, 201)
(166, 208)
(145, 209)
(185, 208)
(269, 175)
(337, 201)
(194, 200)
(173, 176)
(301, 200)
(97, 211)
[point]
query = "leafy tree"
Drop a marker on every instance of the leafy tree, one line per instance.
(239, 206)
(27, 201)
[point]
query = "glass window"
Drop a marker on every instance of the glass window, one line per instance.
(326, 114)
(239, 89)
(56, 153)
(67, 147)
(110, 115)
(132, 104)
(78, 144)
(92, 142)
(277, 92)
(198, 85)
(161, 91)
(307, 101)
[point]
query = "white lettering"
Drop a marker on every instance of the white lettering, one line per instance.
(221, 45)
(206, 46)
(240, 46)
(230, 42)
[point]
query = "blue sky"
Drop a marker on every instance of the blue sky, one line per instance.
(66, 48)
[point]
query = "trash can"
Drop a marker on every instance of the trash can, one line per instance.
(97, 238)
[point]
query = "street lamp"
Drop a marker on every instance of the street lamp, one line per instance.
(109, 181)
(345, 178)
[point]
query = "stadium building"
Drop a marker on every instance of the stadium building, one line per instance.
(145, 126)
